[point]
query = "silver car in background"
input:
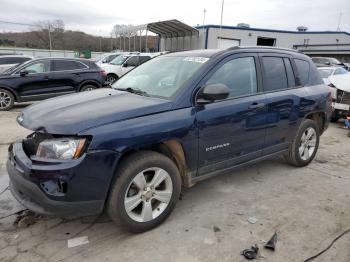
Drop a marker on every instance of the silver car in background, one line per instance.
(9, 61)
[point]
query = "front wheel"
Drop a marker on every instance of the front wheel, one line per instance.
(88, 88)
(6, 100)
(110, 79)
(145, 191)
(305, 144)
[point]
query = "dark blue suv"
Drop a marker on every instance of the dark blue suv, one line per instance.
(174, 121)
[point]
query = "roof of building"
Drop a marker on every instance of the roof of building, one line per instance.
(172, 28)
(270, 30)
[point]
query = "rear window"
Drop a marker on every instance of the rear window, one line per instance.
(64, 65)
(303, 68)
(275, 74)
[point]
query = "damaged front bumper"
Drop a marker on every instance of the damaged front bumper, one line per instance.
(65, 188)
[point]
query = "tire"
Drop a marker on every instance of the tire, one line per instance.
(7, 100)
(296, 156)
(111, 78)
(87, 88)
(125, 190)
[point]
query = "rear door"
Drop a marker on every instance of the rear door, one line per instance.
(285, 100)
(232, 131)
(68, 74)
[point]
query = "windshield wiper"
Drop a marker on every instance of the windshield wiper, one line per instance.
(134, 90)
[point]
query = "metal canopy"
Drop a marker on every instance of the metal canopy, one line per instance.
(172, 28)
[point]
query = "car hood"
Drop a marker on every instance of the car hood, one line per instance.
(71, 114)
(341, 82)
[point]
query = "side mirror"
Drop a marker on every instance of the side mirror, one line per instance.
(213, 92)
(125, 65)
(24, 73)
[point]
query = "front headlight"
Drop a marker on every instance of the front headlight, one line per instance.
(62, 148)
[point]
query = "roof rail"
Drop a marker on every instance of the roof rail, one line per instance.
(263, 47)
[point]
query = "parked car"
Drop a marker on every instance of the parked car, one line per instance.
(171, 122)
(340, 85)
(326, 72)
(123, 64)
(328, 61)
(106, 58)
(8, 61)
(43, 78)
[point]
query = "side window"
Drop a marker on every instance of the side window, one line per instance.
(303, 68)
(64, 65)
(144, 59)
(38, 67)
(239, 75)
(275, 74)
(133, 61)
(290, 73)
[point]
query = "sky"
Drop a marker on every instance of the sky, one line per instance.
(98, 17)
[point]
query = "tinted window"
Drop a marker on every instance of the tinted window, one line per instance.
(13, 60)
(144, 59)
(64, 65)
(109, 58)
(133, 61)
(275, 74)
(239, 75)
(290, 73)
(303, 68)
(38, 67)
(340, 71)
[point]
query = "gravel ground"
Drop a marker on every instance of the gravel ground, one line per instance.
(308, 207)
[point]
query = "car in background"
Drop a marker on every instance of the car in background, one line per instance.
(329, 61)
(106, 58)
(340, 85)
(43, 78)
(8, 61)
(123, 64)
(326, 72)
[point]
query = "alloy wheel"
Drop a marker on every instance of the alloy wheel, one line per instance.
(5, 100)
(148, 194)
(307, 144)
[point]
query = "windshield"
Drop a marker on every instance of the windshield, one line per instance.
(119, 60)
(161, 76)
(325, 73)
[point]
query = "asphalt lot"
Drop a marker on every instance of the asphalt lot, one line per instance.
(308, 207)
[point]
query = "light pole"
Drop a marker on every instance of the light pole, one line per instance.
(204, 11)
(222, 14)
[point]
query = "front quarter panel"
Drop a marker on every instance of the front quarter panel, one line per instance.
(145, 131)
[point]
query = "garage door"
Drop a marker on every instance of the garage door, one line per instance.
(224, 43)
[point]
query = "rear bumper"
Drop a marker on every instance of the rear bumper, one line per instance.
(27, 177)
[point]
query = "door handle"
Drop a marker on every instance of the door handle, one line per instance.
(256, 105)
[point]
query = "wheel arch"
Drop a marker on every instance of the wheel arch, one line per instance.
(14, 93)
(319, 118)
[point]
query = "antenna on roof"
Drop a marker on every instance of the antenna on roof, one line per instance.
(339, 21)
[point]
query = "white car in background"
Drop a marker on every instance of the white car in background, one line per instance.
(123, 64)
(9, 61)
(326, 72)
(340, 85)
(106, 58)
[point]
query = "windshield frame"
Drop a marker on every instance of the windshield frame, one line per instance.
(179, 89)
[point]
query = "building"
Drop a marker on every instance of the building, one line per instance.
(174, 35)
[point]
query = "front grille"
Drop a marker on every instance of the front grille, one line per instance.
(345, 98)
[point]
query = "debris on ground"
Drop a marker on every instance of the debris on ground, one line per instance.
(78, 241)
(271, 244)
(26, 218)
(216, 229)
(251, 253)
(252, 220)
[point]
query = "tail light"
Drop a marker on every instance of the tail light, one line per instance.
(103, 73)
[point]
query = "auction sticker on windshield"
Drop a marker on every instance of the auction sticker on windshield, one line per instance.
(196, 59)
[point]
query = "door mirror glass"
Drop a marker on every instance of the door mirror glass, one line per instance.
(24, 72)
(213, 92)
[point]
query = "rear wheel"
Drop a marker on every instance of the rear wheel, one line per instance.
(6, 100)
(305, 144)
(111, 78)
(145, 191)
(87, 88)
